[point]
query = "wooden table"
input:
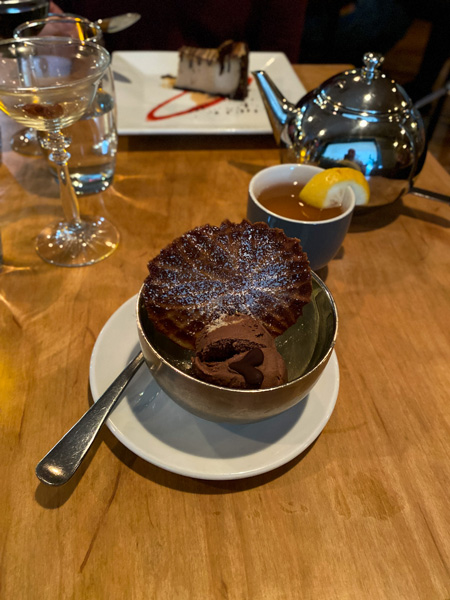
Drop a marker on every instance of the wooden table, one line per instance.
(363, 514)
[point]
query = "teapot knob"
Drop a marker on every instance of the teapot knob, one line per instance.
(372, 61)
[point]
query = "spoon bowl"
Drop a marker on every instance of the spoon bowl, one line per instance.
(118, 22)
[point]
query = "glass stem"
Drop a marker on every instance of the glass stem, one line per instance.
(58, 144)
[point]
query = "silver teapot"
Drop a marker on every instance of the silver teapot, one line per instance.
(359, 118)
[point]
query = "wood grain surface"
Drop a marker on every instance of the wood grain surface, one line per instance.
(362, 514)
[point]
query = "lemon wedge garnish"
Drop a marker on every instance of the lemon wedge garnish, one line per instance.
(328, 188)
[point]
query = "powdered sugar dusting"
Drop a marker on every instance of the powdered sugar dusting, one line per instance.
(234, 268)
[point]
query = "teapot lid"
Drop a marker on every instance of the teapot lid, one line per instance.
(365, 90)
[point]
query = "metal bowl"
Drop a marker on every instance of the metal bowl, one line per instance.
(306, 348)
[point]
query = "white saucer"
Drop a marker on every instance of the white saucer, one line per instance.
(152, 426)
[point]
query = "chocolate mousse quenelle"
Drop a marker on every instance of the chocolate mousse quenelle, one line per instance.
(237, 351)
(227, 292)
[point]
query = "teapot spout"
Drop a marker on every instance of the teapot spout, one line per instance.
(279, 110)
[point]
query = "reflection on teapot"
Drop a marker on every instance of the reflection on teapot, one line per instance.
(359, 118)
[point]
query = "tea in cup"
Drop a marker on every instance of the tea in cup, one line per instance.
(273, 197)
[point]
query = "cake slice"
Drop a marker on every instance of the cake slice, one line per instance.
(221, 71)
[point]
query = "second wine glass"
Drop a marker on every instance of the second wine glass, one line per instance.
(12, 14)
(48, 83)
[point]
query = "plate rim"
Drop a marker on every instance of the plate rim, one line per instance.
(331, 371)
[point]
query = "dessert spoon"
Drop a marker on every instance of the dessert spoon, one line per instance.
(118, 23)
(58, 466)
(429, 194)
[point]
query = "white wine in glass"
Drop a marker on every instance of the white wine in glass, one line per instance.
(48, 83)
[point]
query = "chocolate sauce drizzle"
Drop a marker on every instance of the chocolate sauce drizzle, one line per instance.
(246, 367)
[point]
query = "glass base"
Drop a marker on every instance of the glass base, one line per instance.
(78, 244)
(26, 142)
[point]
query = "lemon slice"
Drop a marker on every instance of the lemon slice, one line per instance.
(327, 188)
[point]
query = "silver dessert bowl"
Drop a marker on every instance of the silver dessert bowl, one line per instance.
(306, 348)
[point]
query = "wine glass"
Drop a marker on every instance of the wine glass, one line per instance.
(94, 137)
(12, 14)
(48, 83)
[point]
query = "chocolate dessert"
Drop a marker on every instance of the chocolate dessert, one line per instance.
(236, 268)
(238, 352)
(227, 292)
(221, 71)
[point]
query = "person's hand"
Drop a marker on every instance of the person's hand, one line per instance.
(54, 8)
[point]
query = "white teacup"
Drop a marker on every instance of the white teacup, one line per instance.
(320, 240)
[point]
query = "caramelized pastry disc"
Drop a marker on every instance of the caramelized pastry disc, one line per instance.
(240, 268)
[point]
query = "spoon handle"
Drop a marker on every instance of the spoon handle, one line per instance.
(58, 466)
(428, 194)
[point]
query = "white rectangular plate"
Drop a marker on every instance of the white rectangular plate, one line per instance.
(141, 88)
